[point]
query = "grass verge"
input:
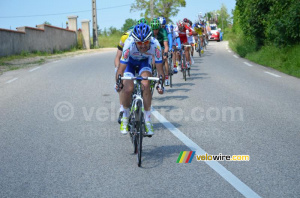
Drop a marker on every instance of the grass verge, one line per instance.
(284, 59)
(109, 41)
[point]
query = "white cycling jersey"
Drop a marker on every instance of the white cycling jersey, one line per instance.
(131, 52)
(175, 34)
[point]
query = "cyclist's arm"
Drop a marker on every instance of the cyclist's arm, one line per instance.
(158, 59)
(120, 70)
(189, 29)
(120, 49)
(124, 58)
(118, 57)
(166, 46)
(165, 39)
(178, 42)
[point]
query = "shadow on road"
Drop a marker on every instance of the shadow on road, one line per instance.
(155, 156)
(170, 97)
(183, 84)
(173, 90)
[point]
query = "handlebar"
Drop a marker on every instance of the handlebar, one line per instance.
(140, 78)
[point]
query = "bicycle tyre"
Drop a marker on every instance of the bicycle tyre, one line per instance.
(140, 132)
(184, 67)
(199, 47)
(170, 72)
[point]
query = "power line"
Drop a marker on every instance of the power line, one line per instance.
(64, 12)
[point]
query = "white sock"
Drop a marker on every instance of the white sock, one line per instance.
(126, 113)
(147, 116)
(121, 108)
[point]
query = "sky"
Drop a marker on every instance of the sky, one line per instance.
(18, 13)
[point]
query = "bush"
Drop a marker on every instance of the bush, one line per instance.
(79, 40)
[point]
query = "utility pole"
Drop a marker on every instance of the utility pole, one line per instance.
(95, 29)
(151, 8)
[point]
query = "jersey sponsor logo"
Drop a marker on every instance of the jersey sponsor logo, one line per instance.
(126, 54)
(157, 53)
(136, 53)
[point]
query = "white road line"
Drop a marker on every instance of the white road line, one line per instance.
(229, 51)
(272, 74)
(10, 81)
(221, 170)
(34, 69)
(248, 64)
(235, 56)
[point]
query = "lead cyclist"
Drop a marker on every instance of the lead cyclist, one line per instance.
(138, 51)
(119, 54)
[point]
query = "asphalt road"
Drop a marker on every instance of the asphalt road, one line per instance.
(59, 136)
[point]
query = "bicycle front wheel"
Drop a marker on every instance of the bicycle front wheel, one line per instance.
(170, 71)
(199, 48)
(184, 67)
(140, 132)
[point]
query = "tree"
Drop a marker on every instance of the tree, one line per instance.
(47, 23)
(223, 18)
(165, 8)
(128, 23)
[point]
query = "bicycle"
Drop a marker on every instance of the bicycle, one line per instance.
(153, 82)
(136, 118)
(170, 67)
(199, 45)
(183, 62)
(204, 41)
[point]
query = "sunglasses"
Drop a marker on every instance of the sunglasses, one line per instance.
(141, 43)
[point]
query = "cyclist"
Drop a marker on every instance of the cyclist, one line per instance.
(191, 39)
(119, 54)
(199, 29)
(169, 30)
(175, 43)
(183, 31)
(161, 35)
(137, 51)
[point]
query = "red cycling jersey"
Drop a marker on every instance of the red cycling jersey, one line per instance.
(183, 34)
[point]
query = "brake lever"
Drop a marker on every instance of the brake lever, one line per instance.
(160, 84)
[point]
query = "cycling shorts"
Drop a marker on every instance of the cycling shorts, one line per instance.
(137, 66)
(191, 39)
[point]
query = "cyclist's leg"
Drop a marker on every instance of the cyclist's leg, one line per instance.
(196, 43)
(187, 53)
(145, 70)
(166, 69)
(125, 97)
(174, 59)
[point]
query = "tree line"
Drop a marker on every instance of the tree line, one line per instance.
(265, 22)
